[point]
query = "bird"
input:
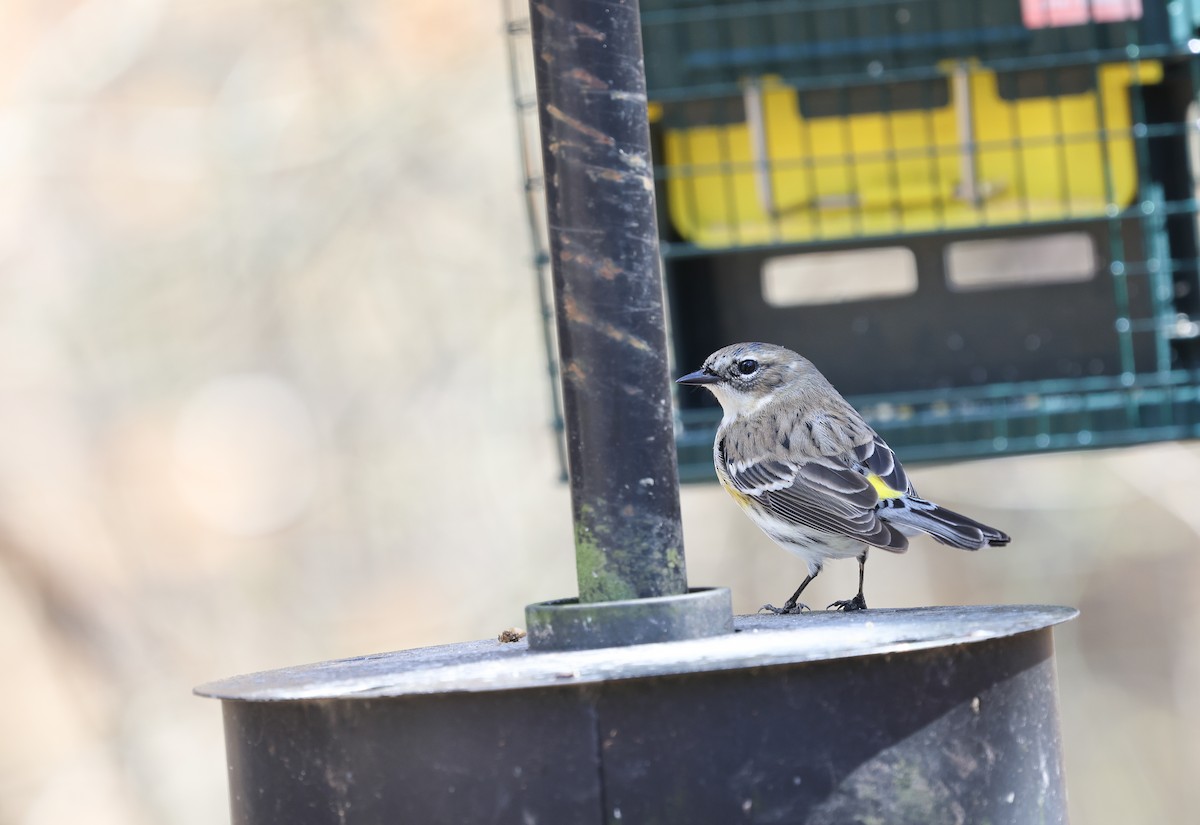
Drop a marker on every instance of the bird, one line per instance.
(811, 472)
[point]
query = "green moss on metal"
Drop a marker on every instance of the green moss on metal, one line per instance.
(675, 559)
(626, 555)
(598, 581)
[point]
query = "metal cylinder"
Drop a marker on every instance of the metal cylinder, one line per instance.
(608, 297)
(929, 716)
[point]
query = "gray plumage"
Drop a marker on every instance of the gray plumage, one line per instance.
(810, 471)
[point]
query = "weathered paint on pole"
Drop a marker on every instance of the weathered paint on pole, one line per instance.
(608, 295)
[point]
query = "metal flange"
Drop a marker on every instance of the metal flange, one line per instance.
(566, 624)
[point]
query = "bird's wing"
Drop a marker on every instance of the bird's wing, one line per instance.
(813, 494)
(882, 469)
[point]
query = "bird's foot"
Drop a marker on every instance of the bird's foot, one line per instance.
(857, 603)
(789, 608)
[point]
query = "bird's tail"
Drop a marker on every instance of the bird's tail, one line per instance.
(945, 526)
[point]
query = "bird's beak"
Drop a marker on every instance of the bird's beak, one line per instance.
(698, 378)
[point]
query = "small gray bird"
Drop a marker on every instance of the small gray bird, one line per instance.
(810, 472)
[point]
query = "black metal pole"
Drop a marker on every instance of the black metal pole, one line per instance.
(591, 92)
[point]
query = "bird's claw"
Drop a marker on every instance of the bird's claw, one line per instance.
(788, 609)
(846, 605)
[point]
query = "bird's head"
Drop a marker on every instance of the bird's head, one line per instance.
(744, 377)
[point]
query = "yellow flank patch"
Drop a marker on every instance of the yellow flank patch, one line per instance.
(738, 496)
(882, 488)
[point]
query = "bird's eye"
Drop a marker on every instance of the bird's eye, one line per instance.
(748, 366)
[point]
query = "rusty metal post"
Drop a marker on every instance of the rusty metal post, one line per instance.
(591, 93)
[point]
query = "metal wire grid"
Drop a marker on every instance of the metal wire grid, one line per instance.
(520, 64)
(790, 121)
(830, 63)
(712, 67)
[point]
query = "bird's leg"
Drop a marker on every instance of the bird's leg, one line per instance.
(858, 602)
(792, 605)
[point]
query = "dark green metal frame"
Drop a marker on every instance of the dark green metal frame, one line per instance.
(1140, 313)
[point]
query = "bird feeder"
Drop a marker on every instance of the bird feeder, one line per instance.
(642, 700)
(978, 219)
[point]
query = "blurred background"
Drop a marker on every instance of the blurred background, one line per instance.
(274, 391)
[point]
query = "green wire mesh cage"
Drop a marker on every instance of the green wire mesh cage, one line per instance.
(978, 219)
